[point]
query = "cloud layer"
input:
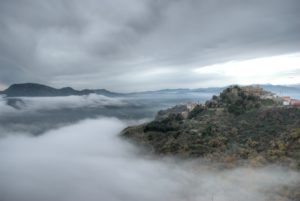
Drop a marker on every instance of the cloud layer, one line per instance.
(88, 161)
(34, 104)
(127, 45)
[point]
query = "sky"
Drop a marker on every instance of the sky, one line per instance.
(138, 45)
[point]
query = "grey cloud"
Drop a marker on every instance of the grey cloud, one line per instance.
(122, 42)
(44, 41)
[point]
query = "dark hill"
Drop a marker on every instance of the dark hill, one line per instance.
(33, 89)
(241, 125)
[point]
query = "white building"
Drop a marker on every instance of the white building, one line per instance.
(286, 100)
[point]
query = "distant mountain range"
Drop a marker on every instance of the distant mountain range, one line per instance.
(295, 85)
(39, 90)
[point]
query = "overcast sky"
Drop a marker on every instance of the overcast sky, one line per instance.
(129, 45)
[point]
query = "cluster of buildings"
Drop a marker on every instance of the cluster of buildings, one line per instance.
(288, 101)
(258, 91)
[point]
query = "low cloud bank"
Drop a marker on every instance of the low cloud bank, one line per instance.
(88, 161)
(4, 108)
(29, 104)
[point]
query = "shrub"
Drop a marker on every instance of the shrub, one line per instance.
(170, 123)
(196, 111)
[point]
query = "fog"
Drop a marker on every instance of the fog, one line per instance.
(36, 115)
(32, 104)
(85, 159)
(155, 100)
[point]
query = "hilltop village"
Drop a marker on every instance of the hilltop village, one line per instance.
(267, 99)
(243, 125)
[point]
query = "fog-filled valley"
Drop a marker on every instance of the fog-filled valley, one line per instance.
(70, 148)
(149, 100)
(38, 114)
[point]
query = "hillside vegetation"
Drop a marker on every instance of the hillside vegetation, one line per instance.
(241, 125)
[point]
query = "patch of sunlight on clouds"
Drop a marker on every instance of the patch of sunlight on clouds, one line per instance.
(283, 69)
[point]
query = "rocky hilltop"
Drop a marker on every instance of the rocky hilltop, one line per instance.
(242, 125)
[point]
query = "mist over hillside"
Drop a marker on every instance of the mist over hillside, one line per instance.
(88, 161)
(49, 109)
(149, 100)
(52, 110)
(69, 148)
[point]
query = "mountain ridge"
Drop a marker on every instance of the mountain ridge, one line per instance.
(40, 90)
(35, 89)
